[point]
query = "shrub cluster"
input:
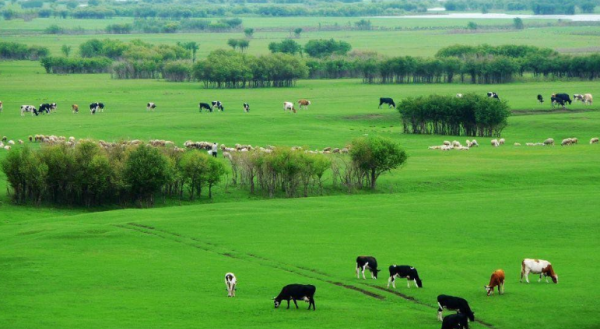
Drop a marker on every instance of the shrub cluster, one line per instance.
(90, 175)
(66, 65)
(470, 115)
(18, 51)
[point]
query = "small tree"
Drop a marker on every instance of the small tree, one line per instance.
(249, 32)
(194, 166)
(215, 172)
(193, 47)
(146, 171)
(297, 32)
(233, 43)
(66, 50)
(518, 23)
(472, 26)
(374, 156)
(243, 44)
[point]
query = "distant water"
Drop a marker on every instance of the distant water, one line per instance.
(436, 9)
(575, 18)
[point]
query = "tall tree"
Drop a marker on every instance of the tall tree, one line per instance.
(66, 50)
(249, 32)
(233, 43)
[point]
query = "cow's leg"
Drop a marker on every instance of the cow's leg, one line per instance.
(288, 304)
(233, 290)
(415, 281)
(357, 271)
(390, 280)
(363, 272)
(440, 310)
(294, 299)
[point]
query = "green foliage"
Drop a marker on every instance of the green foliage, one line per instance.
(372, 156)
(64, 65)
(588, 7)
(119, 28)
(146, 172)
(30, 4)
(243, 44)
(363, 25)
(297, 32)
(322, 47)
(472, 26)
(287, 46)
(518, 23)
(177, 71)
(233, 43)
(249, 32)
(54, 29)
(66, 50)
(18, 51)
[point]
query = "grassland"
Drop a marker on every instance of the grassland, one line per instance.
(455, 216)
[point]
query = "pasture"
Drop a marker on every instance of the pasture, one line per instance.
(456, 216)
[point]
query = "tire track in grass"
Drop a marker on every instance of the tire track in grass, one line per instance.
(176, 237)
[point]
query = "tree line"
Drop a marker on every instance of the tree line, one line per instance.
(19, 51)
(546, 7)
(470, 115)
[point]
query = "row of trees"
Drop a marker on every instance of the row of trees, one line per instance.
(88, 175)
(470, 115)
(18, 51)
(546, 7)
(65, 65)
(318, 48)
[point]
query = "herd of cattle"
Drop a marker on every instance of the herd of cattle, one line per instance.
(301, 292)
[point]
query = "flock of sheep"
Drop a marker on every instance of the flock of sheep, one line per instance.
(456, 145)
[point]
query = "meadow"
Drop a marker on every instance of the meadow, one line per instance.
(456, 216)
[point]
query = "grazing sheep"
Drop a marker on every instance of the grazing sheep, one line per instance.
(344, 150)
(436, 147)
(456, 144)
(7, 148)
(530, 144)
(594, 140)
(549, 141)
(474, 143)
(20, 141)
(495, 143)
(566, 142)
(447, 143)
(11, 142)
(573, 140)
(517, 144)
(447, 147)
(501, 141)
(462, 148)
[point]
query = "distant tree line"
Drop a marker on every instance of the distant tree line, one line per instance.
(89, 175)
(19, 51)
(470, 115)
(546, 7)
(314, 48)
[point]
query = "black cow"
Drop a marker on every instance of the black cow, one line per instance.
(296, 292)
(205, 106)
(455, 321)
(47, 107)
(386, 100)
(540, 98)
(218, 105)
(96, 107)
(492, 94)
(404, 271)
(454, 304)
(366, 262)
(560, 99)
(246, 107)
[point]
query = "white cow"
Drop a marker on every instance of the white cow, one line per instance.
(0, 106)
(289, 106)
(28, 108)
(230, 282)
(537, 266)
(150, 107)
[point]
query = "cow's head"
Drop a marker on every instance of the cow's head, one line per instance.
(375, 271)
(276, 302)
(554, 278)
(489, 290)
(419, 282)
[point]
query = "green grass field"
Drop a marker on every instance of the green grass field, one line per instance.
(456, 216)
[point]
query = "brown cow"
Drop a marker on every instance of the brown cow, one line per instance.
(75, 108)
(497, 280)
(303, 103)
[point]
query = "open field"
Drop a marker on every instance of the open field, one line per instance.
(456, 216)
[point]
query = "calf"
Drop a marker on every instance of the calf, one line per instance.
(454, 304)
(404, 271)
(205, 106)
(537, 266)
(366, 262)
(150, 106)
(455, 321)
(492, 94)
(297, 292)
(28, 108)
(386, 100)
(303, 103)
(75, 108)
(218, 105)
(230, 282)
(540, 98)
(246, 107)
(497, 280)
(289, 106)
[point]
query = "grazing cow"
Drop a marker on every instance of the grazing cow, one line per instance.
(455, 321)
(303, 103)
(230, 282)
(594, 140)
(205, 106)
(540, 98)
(47, 107)
(28, 108)
(366, 262)
(404, 271)
(586, 99)
(305, 292)
(497, 280)
(0, 106)
(578, 97)
(560, 99)
(495, 143)
(537, 266)
(75, 108)
(388, 101)
(150, 106)
(246, 107)
(454, 304)
(459, 95)
(96, 107)
(492, 94)
(218, 105)
(289, 106)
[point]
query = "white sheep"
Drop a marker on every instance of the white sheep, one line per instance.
(517, 144)
(495, 143)
(11, 142)
(447, 143)
(501, 141)
(566, 142)
(549, 141)
(594, 140)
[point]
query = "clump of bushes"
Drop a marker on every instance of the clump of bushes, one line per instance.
(19, 51)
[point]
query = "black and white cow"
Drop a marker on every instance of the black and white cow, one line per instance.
(404, 271)
(96, 107)
(47, 107)
(454, 304)
(150, 106)
(492, 94)
(366, 262)
(455, 321)
(205, 106)
(386, 100)
(560, 99)
(540, 98)
(305, 292)
(218, 105)
(230, 282)
(246, 107)
(28, 108)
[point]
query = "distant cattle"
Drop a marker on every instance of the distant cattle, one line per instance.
(150, 106)
(303, 103)
(366, 262)
(540, 98)
(230, 282)
(28, 108)
(586, 99)
(47, 107)
(492, 94)
(454, 304)
(75, 108)
(404, 271)
(455, 321)
(496, 280)
(218, 105)
(96, 107)
(205, 106)
(560, 99)
(296, 292)
(289, 106)
(0, 107)
(386, 100)
(246, 107)
(537, 266)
